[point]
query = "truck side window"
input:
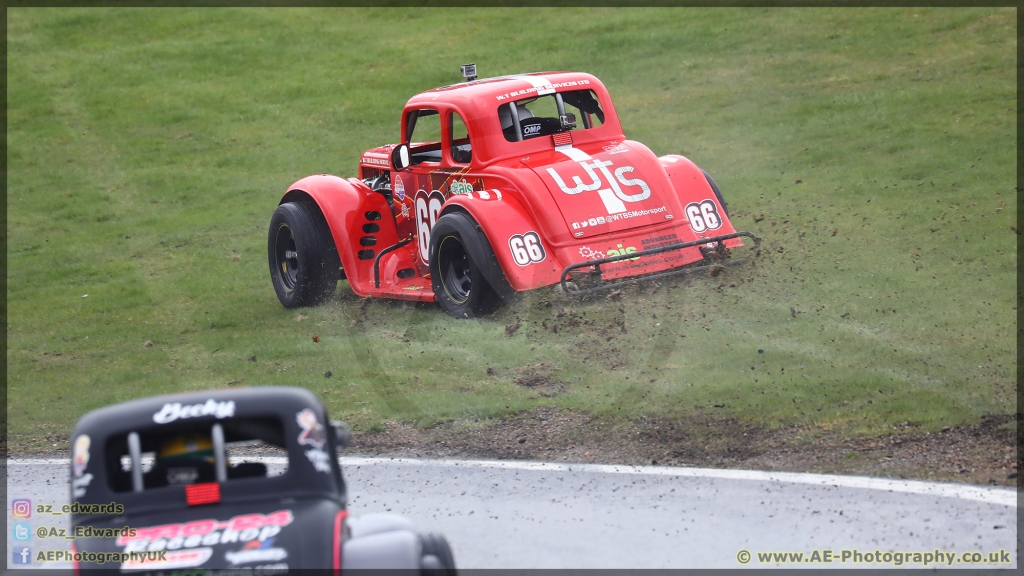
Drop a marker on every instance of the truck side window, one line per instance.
(462, 150)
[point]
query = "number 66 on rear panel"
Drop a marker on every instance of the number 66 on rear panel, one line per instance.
(526, 248)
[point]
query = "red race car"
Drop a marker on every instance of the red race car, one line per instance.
(501, 185)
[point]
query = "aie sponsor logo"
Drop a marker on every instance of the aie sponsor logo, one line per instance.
(171, 412)
(619, 251)
(460, 187)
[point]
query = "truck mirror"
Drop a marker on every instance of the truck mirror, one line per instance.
(400, 157)
(342, 433)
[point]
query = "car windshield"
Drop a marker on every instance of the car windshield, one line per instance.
(549, 114)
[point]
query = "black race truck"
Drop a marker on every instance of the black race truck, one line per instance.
(184, 481)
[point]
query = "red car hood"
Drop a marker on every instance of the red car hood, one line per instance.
(605, 189)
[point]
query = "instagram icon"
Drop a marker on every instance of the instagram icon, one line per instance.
(21, 508)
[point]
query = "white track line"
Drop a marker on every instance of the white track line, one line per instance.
(1000, 496)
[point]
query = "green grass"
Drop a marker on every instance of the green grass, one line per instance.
(147, 149)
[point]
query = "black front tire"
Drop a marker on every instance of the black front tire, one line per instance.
(304, 263)
(459, 259)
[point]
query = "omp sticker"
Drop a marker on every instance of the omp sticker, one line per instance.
(171, 412)
(174, 559)
(80, 457)
(313, 433)
(526, 248)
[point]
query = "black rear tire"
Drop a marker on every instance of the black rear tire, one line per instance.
(718, 193)
(304, 263)
(461, 265)
(442, 563)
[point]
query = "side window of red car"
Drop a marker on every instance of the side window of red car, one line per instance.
(462, 151)
(424, 136)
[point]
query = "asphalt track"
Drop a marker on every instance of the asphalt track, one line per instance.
(537, 515)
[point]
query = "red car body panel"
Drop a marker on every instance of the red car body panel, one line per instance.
(593, 194)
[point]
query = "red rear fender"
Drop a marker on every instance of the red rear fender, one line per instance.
(703, 212)
(526, 258)
(352, 211)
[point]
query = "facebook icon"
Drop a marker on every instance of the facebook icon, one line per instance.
(21, 555)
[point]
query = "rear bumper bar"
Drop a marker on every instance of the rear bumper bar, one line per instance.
(596, 264)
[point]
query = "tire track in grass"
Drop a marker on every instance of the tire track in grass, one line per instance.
(357, 339)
